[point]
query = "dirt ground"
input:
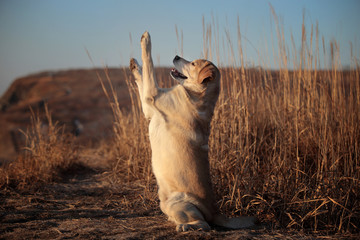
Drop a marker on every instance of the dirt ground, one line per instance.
(84, 205)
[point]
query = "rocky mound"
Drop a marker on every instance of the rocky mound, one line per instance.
(75, 99)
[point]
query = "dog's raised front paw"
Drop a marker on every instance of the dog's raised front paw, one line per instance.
(135, 69)
(134, 65)
(146, 43)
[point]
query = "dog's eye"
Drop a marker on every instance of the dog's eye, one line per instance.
(193, 63)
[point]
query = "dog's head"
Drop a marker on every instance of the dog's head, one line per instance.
(197, 75)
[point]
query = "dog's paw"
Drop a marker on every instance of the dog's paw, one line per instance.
(135, 69)
(134, 65)
(146, 43)
(192, 226)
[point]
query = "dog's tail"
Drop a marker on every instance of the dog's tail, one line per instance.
(234, 223)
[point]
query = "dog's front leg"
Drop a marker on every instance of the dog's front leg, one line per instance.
(145, 77)
(150, 88)
(137, 73)
(136, 70)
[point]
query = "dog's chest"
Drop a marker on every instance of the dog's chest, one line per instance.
(156, 127)
(165, 131)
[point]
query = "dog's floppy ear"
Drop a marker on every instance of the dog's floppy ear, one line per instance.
(207, 73)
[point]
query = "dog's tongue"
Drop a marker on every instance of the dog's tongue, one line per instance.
(177, 73)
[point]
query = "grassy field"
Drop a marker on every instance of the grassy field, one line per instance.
(284, 146)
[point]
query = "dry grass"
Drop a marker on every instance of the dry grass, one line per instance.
(284, 144)
(48, 152)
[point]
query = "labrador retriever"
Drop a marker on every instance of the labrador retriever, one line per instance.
(179, 131)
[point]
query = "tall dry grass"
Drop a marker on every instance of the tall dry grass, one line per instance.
(284, 144)
(48, 152)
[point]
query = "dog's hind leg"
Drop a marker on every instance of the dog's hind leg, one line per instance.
(184, 212)
(187, 217)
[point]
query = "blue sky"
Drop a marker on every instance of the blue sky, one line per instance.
(38, 35)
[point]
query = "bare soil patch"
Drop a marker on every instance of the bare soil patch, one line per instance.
(84, 205)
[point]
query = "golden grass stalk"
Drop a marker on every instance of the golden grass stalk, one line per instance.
(48, 152)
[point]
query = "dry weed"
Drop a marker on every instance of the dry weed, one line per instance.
(48, 152)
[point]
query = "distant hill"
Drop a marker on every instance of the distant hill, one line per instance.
(74, 97)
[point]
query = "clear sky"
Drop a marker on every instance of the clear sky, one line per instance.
(38, 35)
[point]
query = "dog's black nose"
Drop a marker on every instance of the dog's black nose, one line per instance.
(176, 58)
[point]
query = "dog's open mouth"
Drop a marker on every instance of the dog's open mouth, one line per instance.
(177, 75)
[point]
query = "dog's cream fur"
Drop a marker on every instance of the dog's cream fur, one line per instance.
(179, 131)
